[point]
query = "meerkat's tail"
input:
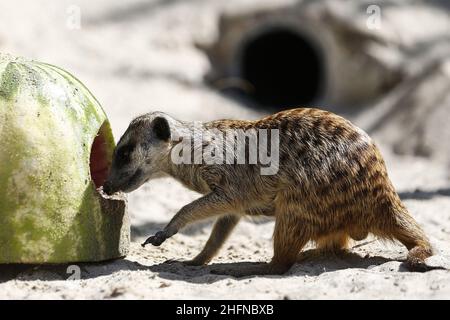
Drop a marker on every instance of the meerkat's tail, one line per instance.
(410, 234)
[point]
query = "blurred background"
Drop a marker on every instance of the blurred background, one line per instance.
(383, 64)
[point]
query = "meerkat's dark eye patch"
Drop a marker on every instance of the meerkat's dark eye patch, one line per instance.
(123, 154)
(161, 128)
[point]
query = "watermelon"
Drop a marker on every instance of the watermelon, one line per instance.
(56, 146)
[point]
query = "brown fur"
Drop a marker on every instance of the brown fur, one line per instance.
(332, 185)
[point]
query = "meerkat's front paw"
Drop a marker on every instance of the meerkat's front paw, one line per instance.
(157, 239)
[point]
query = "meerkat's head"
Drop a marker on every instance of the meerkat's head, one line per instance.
(141, 154)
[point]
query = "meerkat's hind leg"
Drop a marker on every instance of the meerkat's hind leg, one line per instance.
(221, 230)
(290, 236)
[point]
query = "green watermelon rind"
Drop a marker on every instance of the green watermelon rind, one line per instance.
(50, 210)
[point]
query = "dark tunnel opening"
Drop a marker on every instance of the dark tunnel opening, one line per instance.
(283, 69)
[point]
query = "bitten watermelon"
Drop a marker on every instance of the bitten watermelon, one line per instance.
(56, 146)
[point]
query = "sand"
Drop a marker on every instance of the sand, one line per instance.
(142, 60)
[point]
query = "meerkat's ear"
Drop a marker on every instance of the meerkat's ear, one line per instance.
(161, 128)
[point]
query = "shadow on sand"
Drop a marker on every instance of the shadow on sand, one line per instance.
(309, 267)
(424, 195)
(29, 272)
(181, 272)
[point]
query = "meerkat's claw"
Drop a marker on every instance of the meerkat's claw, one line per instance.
(146, 242)
(157, 239)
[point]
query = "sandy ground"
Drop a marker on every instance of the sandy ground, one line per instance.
(139, 58)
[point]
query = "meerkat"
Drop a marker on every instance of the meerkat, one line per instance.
(331, 186)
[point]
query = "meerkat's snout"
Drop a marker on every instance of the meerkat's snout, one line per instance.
(125, 174)
(108, 189)
(128, 183)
